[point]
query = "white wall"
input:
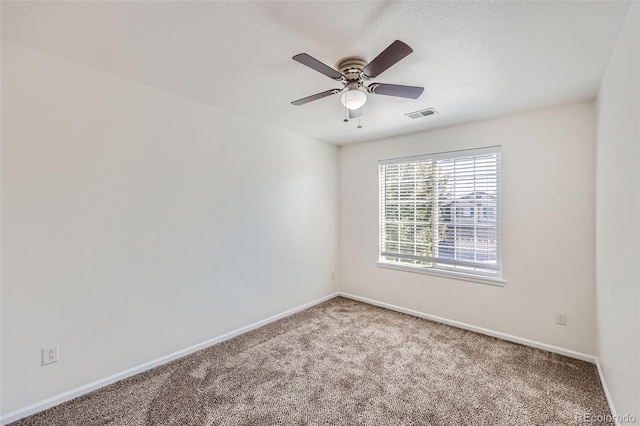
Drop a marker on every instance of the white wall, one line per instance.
(548, 226)
(136, 223)
(618, 220)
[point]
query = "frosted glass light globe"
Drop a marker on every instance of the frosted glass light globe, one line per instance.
(353, 99)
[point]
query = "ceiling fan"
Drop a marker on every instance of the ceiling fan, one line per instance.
(354, 71)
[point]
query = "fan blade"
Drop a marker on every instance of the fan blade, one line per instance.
(315, 97)
(412, 92)
(315, 64)
(389, 57)
(355, 113)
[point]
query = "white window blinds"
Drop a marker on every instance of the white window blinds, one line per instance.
(442, 212)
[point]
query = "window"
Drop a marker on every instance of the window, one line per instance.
(441, 213)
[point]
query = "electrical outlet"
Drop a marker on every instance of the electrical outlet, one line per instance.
(561, 318)
(49, 355)
(333, 275)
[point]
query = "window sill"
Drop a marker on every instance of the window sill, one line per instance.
(444, 274)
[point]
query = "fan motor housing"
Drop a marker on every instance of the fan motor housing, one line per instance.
(352, 67)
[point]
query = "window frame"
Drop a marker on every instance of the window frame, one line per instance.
(496, 279)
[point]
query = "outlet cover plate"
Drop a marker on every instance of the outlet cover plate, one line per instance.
(561, 318)
(50, 355)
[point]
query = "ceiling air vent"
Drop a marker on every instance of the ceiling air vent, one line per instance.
(421, 113)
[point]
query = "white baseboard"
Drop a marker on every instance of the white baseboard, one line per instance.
(79, 391)
(607, 395)
(499, 335)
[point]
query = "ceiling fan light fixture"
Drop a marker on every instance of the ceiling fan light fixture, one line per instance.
(353, 99)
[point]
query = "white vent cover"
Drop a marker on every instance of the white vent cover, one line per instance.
(421, 113)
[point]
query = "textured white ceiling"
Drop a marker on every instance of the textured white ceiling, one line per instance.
(475, 59)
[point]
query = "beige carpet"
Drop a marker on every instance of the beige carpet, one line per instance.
(347, 363)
